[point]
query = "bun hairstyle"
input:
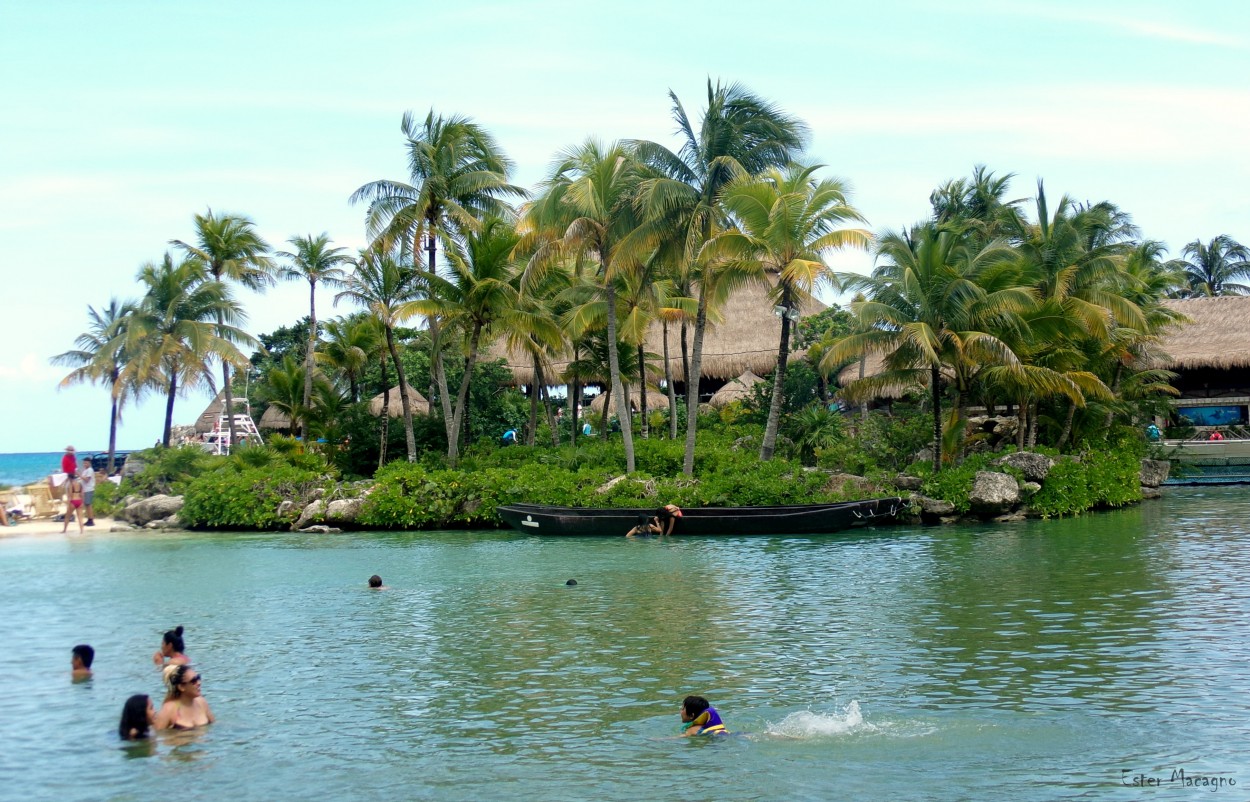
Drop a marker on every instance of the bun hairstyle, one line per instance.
(174, 638)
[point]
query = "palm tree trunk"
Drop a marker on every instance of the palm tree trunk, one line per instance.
(863, 405)
(935, 378)
(692, 381)
(531, 426)
(1033, 424)
(1067, 427)
(685, 350)
(769, 446)
(462, 398)
(1115, 394)
(225, 377)
(308, 357)
(437, 375)
(575, 399)
(668, 385)
(614, 369)
(403, 395)
(643, 423)
(1022, 424)
(386, 412)
(547, 406)
(113, 426)
(169, 406)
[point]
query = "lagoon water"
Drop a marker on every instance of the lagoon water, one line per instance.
(1038, 661)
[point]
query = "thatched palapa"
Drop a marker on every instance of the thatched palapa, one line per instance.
(736, 390)
(275, 420)
(654, 401)
(395, 407)
(1216, 336)
(743, 338)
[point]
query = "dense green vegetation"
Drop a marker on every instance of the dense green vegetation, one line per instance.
(1046, 312)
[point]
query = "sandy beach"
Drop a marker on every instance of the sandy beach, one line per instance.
(46, 526)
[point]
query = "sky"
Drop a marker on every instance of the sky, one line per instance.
(120, 121)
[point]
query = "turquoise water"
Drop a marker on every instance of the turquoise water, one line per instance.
(23, 469)
(1036, 661)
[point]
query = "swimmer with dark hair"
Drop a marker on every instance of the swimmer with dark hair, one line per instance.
(81, 657)
(646, 527)
(375, 582)
(700, 718)
(137, 716)
(172, 648)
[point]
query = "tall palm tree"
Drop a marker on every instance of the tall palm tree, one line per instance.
(231, 251)
(1215, 268)
(99, 359)
(589, 200)
(383, 285)
(457, 176)
(314, 261)
(350, 343)
(787, 221)
(184, 322)
(738, 133)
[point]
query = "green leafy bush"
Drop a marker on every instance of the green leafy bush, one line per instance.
(248, 498)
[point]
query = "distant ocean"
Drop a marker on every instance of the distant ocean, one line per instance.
(23, 469)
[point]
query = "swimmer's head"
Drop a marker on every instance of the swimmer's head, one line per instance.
(173, 639)
(692, 707)
(644, 520)
(136, 717)
(83, 655)
(375, 581)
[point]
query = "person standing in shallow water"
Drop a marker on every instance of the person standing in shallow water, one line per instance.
(171, 649)
(186, 708)
(81, 658)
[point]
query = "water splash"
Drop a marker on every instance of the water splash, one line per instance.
(806, 724)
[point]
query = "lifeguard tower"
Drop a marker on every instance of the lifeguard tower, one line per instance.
(217, 441)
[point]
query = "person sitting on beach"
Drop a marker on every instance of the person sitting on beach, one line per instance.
(82, 656)
(73, 504)
(171, 649)
(667, 517)
(700, 718)
(186, 708)
(137, 716)
(646, 528)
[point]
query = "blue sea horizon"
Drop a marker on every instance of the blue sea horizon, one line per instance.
(28, 467)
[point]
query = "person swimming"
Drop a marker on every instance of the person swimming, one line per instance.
(172, 647)
(645, 527)
(137, 716)
(700, 718)
(186, 709)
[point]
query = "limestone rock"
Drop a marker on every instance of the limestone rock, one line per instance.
(850, 484)
(904, 482)
(284, 508)
(343, 512)
(993, 493)
(1154, 472)
(322, 529)
(132, 467)
(1029, 489)
(1010, 518)
(119, 527)
(611, 483)
(151, 509)
(313, 512)
(1151, 492)
(1035, 467)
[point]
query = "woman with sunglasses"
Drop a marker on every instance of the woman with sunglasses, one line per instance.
(186, 708)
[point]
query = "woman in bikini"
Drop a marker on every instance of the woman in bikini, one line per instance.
(172, 649)
(186, 708)
(73, 504)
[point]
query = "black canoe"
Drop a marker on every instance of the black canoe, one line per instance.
(796, 519)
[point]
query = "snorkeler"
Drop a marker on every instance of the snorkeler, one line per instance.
(700, 718)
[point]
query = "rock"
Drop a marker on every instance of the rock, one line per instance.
(1029, 489)
(313, 512)
(1035, 467)
(993, 494)
(850, 484)
(151, 509)
(284, 509)
(1154, 472)
(121, 528)
(611, 483)
(322, 529)
(904, 482)
(132, 467)
(1152, 492)
(1010, 518)
(343, 512)
(935, 506)
(471, 506)
(1005, 428)
(924, 455)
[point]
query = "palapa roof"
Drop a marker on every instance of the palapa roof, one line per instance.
(207, 421)
(395, 408)
(735, 390)
(654, 401)
(743, 338)
(1217, 334)
(274, 418)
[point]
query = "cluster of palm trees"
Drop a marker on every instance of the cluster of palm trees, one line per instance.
(624, 236)
(1051, 316)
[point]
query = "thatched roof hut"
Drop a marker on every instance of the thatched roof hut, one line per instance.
(744, 337)
(207, 421)
(654, 401)
(735, 390)
(1217, 334)
(274, 419)
(395, 407)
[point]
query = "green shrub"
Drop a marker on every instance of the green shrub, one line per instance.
(248, 498)
(165, 469)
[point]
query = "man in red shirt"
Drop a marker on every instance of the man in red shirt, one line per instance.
(69, 462)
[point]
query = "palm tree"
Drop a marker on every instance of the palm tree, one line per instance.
(99, 358)
(231, 251)
(589, 201)
(458, 175)
(314, 261)
(183, 323)
(384, 286)
(787, 221)
(286, 385)
(1214, 268)
(739, 133)
(350, 343)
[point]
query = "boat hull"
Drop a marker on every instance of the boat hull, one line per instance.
(798, 519)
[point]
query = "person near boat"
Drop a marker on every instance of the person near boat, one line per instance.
(700, 718)
(667, 517)
(646, 527)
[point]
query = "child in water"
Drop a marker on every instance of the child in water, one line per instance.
(700, 718)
